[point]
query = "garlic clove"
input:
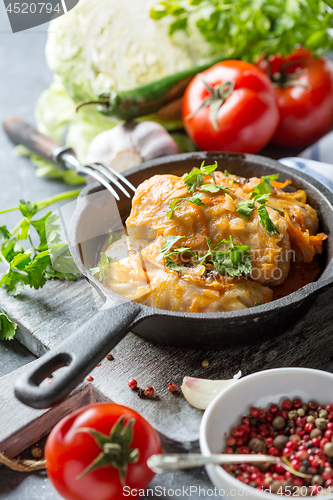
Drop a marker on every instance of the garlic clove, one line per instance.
(129, 144)
(200, 392)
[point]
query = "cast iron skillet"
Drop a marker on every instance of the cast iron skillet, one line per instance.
(81, 351)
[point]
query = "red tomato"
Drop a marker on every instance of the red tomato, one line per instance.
(304, 87)
(70, 449)
(246, 120)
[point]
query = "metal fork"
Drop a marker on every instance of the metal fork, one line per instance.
(63, 157)
(178, 461)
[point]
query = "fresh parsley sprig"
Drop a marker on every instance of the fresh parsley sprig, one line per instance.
(100, 268)
(260, 195)
(165, 252)
(46, 258)
(177, 201)
(195, 178)
(234, 261)
(265, 186)
(239, 29)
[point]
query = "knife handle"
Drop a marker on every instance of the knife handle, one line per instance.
(21, 132)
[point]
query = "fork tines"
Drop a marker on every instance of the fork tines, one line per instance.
(107, 176)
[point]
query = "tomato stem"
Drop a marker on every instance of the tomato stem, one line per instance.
(218, 95)
(283, 79)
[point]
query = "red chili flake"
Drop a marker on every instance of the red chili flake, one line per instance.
(172, 387)
(98, 364)
(132, 384)
(90, 378)
(110, 357)
(149, 391)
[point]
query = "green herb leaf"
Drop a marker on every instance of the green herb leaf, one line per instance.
(165, 252)
(7, 327)
(100, 269)
(195, 178)
(243, 29)
(235, 261)
(169, 262)
(168, 244)
(245, 208)
(35, 266)
(265, 186)
(4, 232)
(212, 188)
(28, 209)
(177, 201)
(276, 209)
(209, 253)
(114, 236)
(266, 221)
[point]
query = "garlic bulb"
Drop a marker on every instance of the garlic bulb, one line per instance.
(129, 144)
(200, 392)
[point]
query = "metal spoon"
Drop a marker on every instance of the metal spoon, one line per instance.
(178, 461)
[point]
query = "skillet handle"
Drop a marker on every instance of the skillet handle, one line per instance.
(80, 352)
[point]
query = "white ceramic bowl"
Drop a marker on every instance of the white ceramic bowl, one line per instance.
(259, 389)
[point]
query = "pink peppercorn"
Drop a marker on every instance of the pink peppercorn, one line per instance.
(273, 451)
(323, 441)
(328, 434)
(297, 403)
(132, 383)
(295, 463)
(326, 475)
(273, 409)
(309, 426)
(286, 405)
(231, 441)
(172, 387)
(254, 412)
(315, 442)
(291, 445)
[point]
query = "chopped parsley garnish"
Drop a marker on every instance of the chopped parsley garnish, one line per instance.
(212, 188)
(235, 261)
(265, 186)
(100, 269)
(168, 243)
(266, 221)
(165, 252)
(276, 209)
(114, 236)
(195, 178)
(177, 201)
(261, 195)
(245, 208)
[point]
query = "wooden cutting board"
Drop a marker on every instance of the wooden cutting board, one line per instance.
(46, 316)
